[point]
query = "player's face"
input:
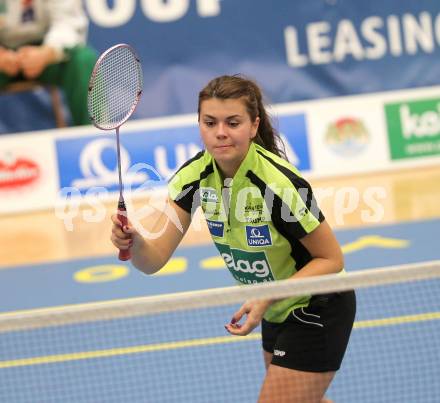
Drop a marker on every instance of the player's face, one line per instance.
(227, 131)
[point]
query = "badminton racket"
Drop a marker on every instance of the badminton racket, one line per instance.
(115, 88)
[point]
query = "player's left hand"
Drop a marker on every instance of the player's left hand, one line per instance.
(253, 311)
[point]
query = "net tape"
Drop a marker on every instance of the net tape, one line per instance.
(115, 87)
(81, 313)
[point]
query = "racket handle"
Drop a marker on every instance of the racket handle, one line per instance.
(122, 217)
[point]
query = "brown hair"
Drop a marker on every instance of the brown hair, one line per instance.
(236, 86)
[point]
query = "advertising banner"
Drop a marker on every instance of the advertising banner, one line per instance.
(28, 173)
(331, 137)
(348, 135)
(296, 50)
(150, 156)
(414, 128)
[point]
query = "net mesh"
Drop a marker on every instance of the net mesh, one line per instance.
(173, 348)
(115, 87)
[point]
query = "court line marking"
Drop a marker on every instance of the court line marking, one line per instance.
(196, 343)
(379, 241)
(397, 320)
(354, 246)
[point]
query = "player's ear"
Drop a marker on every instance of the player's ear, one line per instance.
(254, 128)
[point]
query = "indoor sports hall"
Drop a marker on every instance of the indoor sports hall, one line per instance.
(353, 92)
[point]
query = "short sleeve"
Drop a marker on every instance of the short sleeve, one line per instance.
(184, 194)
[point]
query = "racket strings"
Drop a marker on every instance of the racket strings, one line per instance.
(115, 88)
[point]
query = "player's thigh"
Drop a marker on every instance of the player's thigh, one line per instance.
(284, 385)
(267, 359)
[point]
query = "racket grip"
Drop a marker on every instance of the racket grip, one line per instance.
(122, 217)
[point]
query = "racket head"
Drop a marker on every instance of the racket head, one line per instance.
(115, 87)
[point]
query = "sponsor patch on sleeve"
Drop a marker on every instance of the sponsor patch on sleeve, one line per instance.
(216, 228)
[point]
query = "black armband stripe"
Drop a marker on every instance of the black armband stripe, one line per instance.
(299, 183)
(292, 231)
(188, 198)
(196, 157)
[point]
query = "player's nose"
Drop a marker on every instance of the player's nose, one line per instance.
(221, 130)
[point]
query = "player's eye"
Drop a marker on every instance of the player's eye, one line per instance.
(209, 123)
(233, 123)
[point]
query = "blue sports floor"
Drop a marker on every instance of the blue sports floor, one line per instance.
(393, 356)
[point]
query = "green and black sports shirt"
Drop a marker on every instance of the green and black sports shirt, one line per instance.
(256, 219)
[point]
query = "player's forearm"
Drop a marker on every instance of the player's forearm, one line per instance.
(147, 257)
(320, 266)
(316, 267)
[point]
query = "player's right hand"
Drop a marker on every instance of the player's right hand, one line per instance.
(124, 237)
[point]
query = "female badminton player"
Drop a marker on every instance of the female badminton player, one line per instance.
(267, 226)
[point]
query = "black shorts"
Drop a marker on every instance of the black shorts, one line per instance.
(314, 338)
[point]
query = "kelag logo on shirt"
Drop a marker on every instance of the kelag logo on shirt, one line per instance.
(216, 228)
(208, 195)
(246, 267)
(258, 235)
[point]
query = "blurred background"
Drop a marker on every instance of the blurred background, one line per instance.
(297, 51)
(353, 88)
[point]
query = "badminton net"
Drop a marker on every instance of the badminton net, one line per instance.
(174, 348)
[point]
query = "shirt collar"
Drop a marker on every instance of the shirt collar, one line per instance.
(247, 164)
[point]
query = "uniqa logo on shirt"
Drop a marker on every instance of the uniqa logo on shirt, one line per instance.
(258, 235)
(246, 267)
(208, 195)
